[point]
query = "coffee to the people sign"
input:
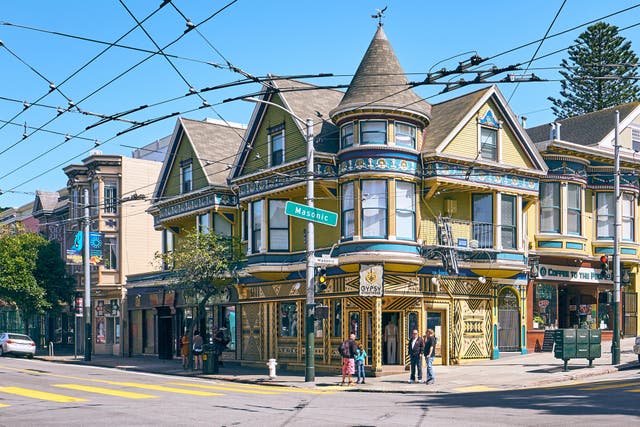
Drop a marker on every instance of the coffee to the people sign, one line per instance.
(570, 274)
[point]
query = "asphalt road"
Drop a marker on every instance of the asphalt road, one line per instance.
(34, 392)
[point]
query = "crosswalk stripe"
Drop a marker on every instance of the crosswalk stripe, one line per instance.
(164, 388)
(225, 388)
(608, 386)
(110, 392)
(35, 394)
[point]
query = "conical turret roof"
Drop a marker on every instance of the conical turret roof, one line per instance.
(380, 83)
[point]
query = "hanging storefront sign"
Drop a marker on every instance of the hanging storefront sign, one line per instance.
(371, 281)
(570, 274)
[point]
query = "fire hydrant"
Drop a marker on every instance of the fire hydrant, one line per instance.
(272, 368)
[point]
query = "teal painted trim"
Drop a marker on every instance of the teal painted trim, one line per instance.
(510, 256)
(361, 245)
(496, 350)
(571, 245)
(523, 340)
(628, 251)
(552, 244)
(524, 350)
(608, 251)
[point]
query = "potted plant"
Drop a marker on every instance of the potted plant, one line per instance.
(538, 321)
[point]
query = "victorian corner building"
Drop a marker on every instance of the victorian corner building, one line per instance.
(442, 210)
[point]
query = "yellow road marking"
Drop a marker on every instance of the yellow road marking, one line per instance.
(225, 388)
(605, 387)
(164, 388)
(34, 394)
(100, 390)
(637, 390)
(287, 389)
(475, 388)
(2, 405)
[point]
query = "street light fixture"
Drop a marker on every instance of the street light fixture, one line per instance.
(309, 373)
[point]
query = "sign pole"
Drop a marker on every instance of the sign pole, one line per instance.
(309, 372)
(615, 342)
(87, 279)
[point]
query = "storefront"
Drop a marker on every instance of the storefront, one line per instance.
(568, 297)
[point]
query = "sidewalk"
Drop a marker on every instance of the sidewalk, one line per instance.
(510, 371)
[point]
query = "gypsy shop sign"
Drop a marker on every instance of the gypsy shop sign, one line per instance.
(570, 274)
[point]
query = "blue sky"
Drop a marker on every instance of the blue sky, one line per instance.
(259, 37)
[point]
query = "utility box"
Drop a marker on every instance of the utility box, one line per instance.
(577, 344)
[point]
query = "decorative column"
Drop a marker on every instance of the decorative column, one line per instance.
(376, 345)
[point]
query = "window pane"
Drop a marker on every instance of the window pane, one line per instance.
(550, 207)
(605, 215)
(574, 209)
(288, 319)
(348, 214)
(277, 148)
(405, 135)
(374, 208)
(278, 226)
(110, 197)
(204, 226)
(256, 226)
(405, 210)
(483, 220)
(488, 143)
(186, 178)
(347, 135)
(221, 226)
(545, 306)
(373, 132)
(628, 217)
(508, 226)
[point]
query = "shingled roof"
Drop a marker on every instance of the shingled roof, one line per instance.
(587, 129)
(380, 83)
(446, 115)
(215, 144)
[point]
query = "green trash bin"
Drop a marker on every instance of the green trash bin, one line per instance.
(210, 359)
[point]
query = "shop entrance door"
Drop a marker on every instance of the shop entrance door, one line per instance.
(630, 314)
(391, 348)
(508, 321)
(436, 322)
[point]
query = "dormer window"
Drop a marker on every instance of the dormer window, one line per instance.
(276, 144)
(405, 135)
(373, 132)
(346, 135)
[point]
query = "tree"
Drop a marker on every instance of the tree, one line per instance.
(32, 274)
(601, 72)
(203, 264)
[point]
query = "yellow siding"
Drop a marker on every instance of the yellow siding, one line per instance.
(465, 143)
(295, 146)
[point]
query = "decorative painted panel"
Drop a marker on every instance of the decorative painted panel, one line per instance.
(464, 174)
(294, 176)
(251, 332)
(375, 163)
(186, 206)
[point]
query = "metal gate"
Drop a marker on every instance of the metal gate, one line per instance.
(630, 313)
(508, 321)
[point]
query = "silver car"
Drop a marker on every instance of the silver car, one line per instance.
(17, 344)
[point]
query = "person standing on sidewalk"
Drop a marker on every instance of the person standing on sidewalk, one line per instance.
(184, 349)
(361, 355)
(429, 352)
(348, 352)
(198, 349)
(416, 348)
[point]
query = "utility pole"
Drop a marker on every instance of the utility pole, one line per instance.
(615, 342)
(87, 278)
(310, 308)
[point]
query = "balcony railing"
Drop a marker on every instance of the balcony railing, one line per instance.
(465, 235)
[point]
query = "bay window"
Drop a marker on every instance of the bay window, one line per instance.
(204, 223)
(628, 217)
(110, 193)
(405, 135)
(373, 132)
(256, 226)
(574, 209)
(508, 223)
(221, 226)
(346, 135)
(605, 215)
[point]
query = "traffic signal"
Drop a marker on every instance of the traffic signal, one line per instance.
(322, 279)
(604, 267)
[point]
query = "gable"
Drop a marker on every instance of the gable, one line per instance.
(465, 143)
(184, 153)
(273, 120)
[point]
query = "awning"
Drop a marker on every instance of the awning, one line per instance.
(140, 298)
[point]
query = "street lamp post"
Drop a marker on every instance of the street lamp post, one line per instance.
(310, 306)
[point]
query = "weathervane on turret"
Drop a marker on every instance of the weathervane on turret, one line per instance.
(378, 15)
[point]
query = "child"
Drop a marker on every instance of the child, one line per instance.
(360, 357)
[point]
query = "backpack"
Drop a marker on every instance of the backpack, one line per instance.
(345, 349)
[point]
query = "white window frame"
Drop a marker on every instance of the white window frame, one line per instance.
(574, 210)
(410, 133)
(347, 135)
(551, 206)
(605, 215)
(270, 139)
(186, 171)
(110, 253)
(493, 154)
(375, 196)
(348, 210)
(257, 213)
(505, 200)
(405, 210)
(278, 223)
(363, 124)
(628, 204)
(110, 197)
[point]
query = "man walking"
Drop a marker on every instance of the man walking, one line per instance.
(416, 348)
(429, 352)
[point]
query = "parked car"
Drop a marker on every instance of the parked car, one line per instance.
(17, 344)
(636, 348)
